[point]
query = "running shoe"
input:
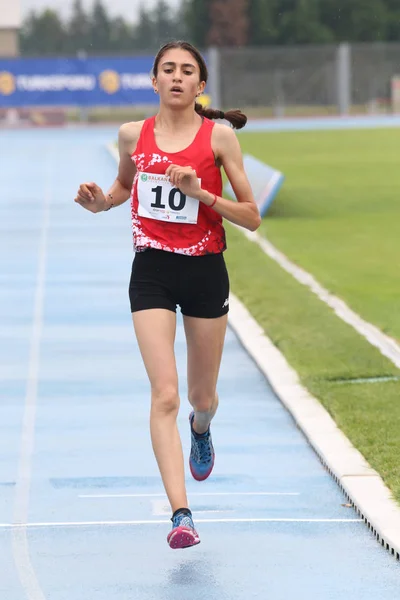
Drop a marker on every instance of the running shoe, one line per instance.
(202, 455)
(183, 534)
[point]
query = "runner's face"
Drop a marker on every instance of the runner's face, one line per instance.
(178, 78)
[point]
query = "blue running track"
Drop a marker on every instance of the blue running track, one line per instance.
(82, 510)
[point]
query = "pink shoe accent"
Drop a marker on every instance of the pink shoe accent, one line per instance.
(182, 537)
(198, 477)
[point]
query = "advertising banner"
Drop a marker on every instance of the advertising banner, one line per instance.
(76, 82)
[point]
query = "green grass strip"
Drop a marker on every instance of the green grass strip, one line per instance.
(338, 212)
(322, 348)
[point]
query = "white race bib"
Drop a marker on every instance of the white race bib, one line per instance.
(159, 200)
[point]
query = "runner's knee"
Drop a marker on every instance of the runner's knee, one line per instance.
(165, 399)
(202, 400)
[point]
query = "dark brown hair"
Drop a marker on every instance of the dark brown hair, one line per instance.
(235, 117)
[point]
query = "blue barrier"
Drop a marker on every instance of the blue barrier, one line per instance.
(77, 82)
(264, 180)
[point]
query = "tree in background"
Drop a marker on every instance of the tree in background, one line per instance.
(229, 23)
(302, 22)
(144, 30)
(78, 29)
(393, 20)
(212, 22)
(358, 20)
(121, 36)
(44, 34)
(27, 34)
(262, 22)
(197, 19)
(155, 27)
(99, 29)
(164, 23)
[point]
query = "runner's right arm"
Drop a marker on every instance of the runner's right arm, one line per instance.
(92, 197)
(120, 190)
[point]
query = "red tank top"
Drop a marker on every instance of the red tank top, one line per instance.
(207, 236)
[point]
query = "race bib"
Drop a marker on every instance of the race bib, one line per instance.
(159, 200)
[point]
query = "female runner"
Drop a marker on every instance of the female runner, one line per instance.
(170, 168)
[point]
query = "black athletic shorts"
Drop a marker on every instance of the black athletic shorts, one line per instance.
(198, 284)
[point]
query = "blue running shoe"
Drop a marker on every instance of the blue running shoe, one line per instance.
(183, 534)
(202, 455)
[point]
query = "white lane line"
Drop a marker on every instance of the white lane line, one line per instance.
(161, 508)
(385, 344)
(200, 494)
(20, 546)
(165, 521)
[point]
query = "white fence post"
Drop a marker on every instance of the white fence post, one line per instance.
(214, 76)
(344, 99)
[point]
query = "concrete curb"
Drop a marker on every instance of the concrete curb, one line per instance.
(385, 344)
(362, 485)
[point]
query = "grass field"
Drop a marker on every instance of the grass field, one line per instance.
(338, 217)
(338, 214)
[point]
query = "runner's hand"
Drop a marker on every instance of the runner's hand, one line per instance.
(185, 179)
(91, 197)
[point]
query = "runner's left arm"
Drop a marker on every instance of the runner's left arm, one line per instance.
(244, 212)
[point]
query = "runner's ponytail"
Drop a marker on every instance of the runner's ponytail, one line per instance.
(235, 117)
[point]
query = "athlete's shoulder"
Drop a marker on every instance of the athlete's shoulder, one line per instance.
(223, 138)
(223, 133)
(129, 133)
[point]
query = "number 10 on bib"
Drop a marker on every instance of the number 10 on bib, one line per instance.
(159, 200)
